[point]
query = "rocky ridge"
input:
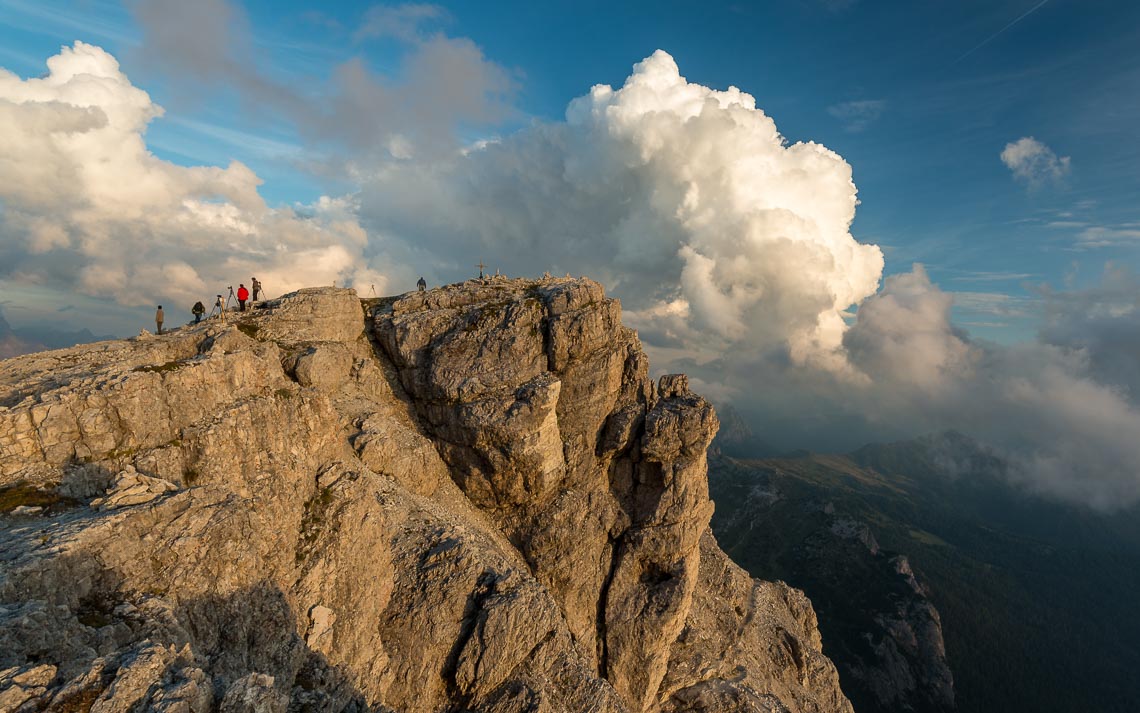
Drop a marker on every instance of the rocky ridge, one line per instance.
(471, 498)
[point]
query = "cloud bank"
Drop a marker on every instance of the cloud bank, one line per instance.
(84, 202)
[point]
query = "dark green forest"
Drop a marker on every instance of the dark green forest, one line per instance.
(1038, 599)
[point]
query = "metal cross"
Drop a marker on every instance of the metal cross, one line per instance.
(480, 266)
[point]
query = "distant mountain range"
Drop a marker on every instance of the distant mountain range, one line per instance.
(25, 340)
(1036, 600)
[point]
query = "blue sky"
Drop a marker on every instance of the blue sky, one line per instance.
(920, 98)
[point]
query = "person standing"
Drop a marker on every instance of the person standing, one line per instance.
(421, 285)
(198, 310)
(242, 295)
(158, 318)
(220, 308)
(256, 287)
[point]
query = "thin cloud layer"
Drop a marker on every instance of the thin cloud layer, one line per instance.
(858, 115)
(442, 82)
(86, 204)
(1034, 163)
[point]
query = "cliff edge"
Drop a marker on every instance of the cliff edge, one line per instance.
(471, 498)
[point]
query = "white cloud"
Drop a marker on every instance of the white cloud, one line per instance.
(858, 115)
(1062, 410)
(1034, 163)
(85, 202)
(1102, 236)
(687, 201)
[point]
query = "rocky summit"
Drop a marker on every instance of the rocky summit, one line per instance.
(466, 499)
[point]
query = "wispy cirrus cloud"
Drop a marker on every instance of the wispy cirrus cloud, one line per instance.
(858, 115)
(403, 22)
(993, 276)
(992, 303)
(1104, 236)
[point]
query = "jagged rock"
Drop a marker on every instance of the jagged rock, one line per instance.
(25, 687)
(132, 488)
(468, 498)
(254, 694)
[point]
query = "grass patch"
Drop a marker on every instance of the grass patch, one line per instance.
(22, 493)
(249, 330)
(313, 523)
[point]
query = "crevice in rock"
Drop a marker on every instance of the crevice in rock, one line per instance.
(471, 626)
(603, 598)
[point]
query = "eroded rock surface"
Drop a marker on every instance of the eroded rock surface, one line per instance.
(472, 498)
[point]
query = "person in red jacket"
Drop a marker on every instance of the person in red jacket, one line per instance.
(242, 295)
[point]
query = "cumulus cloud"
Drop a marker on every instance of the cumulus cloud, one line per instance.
(685, 200)
(442, 82)
(857, 115)
(1034, 163)
(732, 253)
(86, 204)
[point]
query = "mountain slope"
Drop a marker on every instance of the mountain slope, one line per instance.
(1036, 598)
(779, 518)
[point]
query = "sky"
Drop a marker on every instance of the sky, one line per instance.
(852, 220)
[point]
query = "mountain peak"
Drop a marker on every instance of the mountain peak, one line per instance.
(471, 497)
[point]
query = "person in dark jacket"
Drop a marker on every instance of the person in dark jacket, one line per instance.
(242, 295)
(198, 310)
(421, 285)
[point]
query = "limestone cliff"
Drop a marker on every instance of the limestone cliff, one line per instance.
(471, 498)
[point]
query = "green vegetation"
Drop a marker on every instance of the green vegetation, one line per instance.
(1037, 599)
(249, 330)
(25, 494)
(313, 523)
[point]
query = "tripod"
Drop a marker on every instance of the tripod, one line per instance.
(220, 307)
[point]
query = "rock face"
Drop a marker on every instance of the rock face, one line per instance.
(471, 498)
